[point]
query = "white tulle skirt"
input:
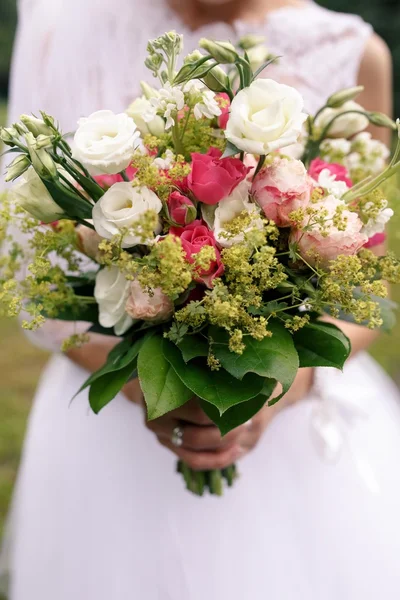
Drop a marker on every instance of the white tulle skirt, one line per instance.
(99, 513)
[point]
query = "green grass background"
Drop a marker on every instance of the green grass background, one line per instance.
(20, 366)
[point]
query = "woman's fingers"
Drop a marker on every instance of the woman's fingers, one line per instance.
(205, 461)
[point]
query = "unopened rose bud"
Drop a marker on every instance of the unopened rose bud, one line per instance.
(250, 41)
(17, 167)
(339, 98)
(42, 162)
(223, 52)
(381, 120)
(181, 209)
(36, 126)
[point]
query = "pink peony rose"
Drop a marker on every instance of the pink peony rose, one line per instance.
(213, 178)
(88, 241)
(181, 209)
(225, 105)
(317, 247)
(148, 307)
(281, 188)
(106, 181)
(193, 238)
(340, 172)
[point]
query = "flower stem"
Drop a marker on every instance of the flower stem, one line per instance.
(259, 166)
(198, 482)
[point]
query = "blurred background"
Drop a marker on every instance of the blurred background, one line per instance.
(19, 377)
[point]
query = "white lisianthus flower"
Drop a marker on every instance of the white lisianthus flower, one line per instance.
(367, 154)
(328, 181)
(231, 207)
(120, 209)
(264, 117)
(344, 126)
(111, 293)
(169, 101)
(377, 224)
(104, 142)
(202, 100)
(136, 111)
(31, 194)
(165, 163)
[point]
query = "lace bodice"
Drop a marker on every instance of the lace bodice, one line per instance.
(73, 57)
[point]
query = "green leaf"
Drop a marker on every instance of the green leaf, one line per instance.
(192, 347)
(274, 357)
(162, 388)
(230, 150)
(120, 357)
(107, 387)
(216, 387)
(322, 345)
(239, 414)
(80, 312)
(71, 203)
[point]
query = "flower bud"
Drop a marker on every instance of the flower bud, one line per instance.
(223, 52)
(42, 162)
(8, 134)
(339, 98)
(44, 141)
(193, 57)
(17, 167)
(31, 194)
(250, 41)
(381, 120)
(181, 209)
(36, 126)
(217, 80)
(148, 91)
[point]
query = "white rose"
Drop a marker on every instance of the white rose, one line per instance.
(120, 208)
(111, 292)
(231, 207)
(31, 194)
(344, 126)
(136, 111)
(104, 142)
(265, 117)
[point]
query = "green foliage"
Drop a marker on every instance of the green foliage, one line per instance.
(8, 19)
(322, 345)
(163, 390)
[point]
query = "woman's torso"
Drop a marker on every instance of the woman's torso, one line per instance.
(73, 58)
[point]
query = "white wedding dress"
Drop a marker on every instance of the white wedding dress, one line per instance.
(99, 513)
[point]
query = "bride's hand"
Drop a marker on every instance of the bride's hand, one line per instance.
(202, 446)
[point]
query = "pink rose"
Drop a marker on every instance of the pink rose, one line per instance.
(213, 178)
(193, 238)
(317, 247)
(148, 307)
(106, 181)
(339, 171)
(376, 240)
(181, 209)
(281, 188)
(225, 105)
(88, 241)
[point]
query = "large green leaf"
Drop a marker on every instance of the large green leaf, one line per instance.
(162, 388)
(322, 345)
(193, 346)
(239, 414)
(105, 388)
(274, 357)
(120, 357)
(72, 204)
(216, 387)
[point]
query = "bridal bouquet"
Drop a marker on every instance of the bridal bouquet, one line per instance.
(186, 228)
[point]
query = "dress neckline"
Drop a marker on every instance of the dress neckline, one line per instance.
(238, 27)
